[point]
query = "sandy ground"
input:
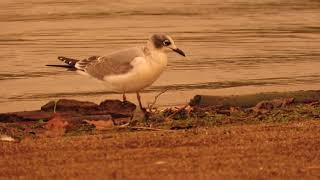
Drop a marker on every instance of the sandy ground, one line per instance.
(259, 151)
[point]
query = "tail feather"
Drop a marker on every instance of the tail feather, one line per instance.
(69, 61)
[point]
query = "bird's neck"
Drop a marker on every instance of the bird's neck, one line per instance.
(156, 56)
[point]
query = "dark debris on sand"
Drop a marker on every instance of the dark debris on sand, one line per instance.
(72, 117)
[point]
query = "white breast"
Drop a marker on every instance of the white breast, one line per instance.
(145, 71)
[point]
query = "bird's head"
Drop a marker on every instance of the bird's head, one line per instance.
(164, 43)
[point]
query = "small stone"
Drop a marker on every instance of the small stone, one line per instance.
(117, 107)
(160, 162)
(67, 105)
(7, 138)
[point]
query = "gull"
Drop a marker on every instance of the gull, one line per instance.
(128, 70)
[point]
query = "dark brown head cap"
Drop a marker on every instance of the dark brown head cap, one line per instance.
(161, 40)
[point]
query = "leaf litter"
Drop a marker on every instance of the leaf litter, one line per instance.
(171, 118)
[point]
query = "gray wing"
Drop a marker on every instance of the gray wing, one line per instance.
(115, 63)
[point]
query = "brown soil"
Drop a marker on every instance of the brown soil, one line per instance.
(263, 151)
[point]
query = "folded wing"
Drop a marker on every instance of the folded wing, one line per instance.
(113, 64)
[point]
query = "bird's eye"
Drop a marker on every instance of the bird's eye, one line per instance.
(166, 42)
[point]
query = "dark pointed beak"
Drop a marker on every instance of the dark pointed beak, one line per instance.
(179, 51)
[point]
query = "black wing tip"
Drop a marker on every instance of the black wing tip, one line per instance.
(61, 58)
(70, 68)
(57, 65)
(70, 61)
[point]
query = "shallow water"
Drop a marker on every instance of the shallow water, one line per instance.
(232, 47)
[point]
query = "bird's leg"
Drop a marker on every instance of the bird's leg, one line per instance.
(144, 110)
(124, 98)
(140, 104)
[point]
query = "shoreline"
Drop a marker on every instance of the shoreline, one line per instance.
(58, 118)
(276, 138)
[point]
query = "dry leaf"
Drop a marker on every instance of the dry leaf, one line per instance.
(267, 106)
(101, 124)
(56, 126)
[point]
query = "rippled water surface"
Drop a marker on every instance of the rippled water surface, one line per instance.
(233, 46)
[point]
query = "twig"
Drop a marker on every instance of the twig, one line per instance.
(55, 106)
(148, 128)
(142, 128)
(313, 167)
(315, 103)
(150, 106)
(179, 110)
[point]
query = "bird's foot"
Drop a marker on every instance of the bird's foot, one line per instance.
(145, 113)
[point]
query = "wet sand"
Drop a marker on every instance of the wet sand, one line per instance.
(233, 47)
